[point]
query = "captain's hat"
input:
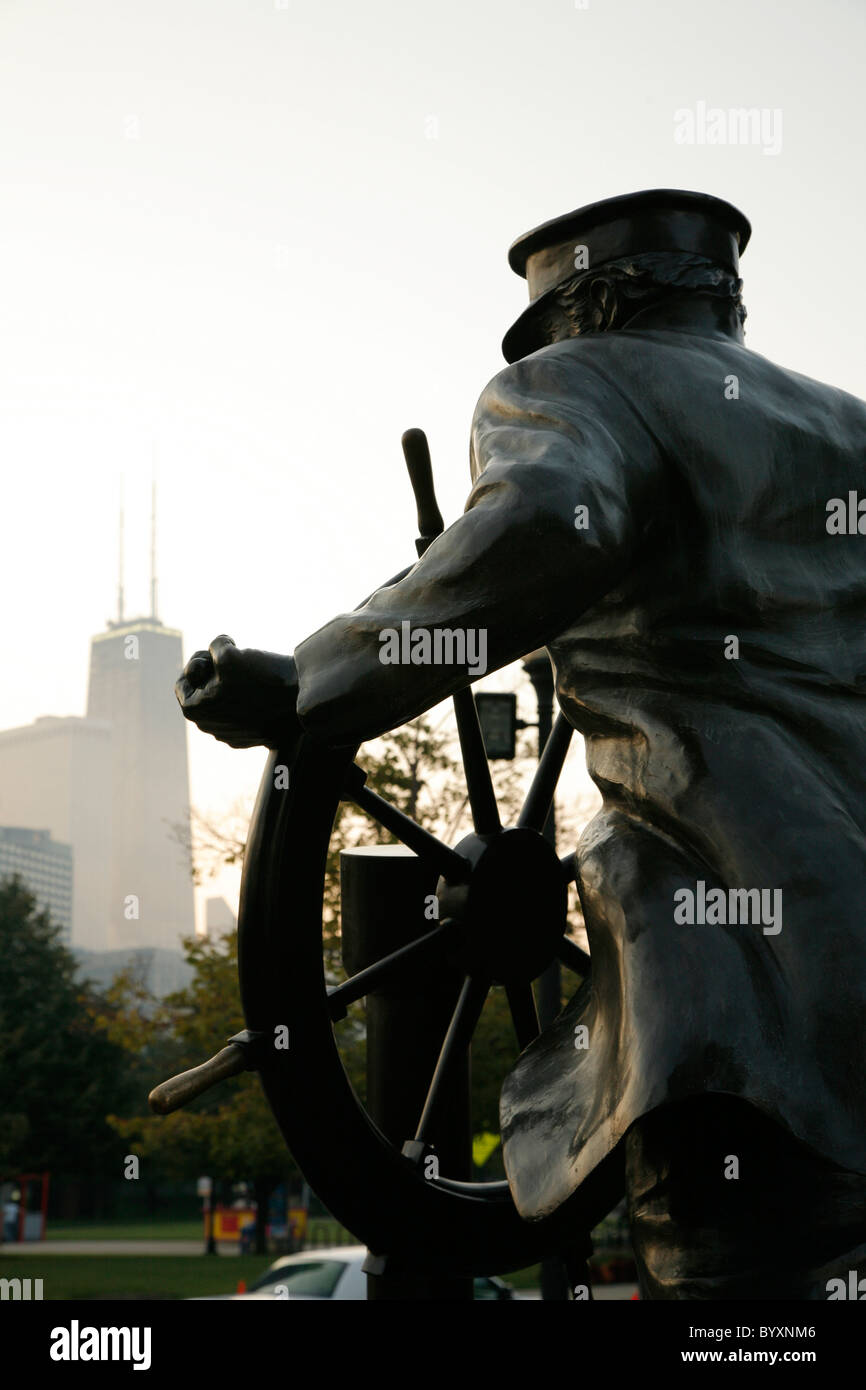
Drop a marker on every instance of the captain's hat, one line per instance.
(657, 219)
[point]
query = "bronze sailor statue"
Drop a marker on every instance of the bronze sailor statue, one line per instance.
(659, 507)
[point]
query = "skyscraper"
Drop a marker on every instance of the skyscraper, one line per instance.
(55, 775)
(133, 667)
(115, 786)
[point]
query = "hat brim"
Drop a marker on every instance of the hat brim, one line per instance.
(531, 330)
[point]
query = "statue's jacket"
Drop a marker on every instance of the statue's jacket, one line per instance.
(713, 483)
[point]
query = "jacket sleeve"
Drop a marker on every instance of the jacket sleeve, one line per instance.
(515, 570)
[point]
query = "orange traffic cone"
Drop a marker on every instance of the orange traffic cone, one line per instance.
(242, 1286)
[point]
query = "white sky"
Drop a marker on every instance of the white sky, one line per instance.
(227, 238)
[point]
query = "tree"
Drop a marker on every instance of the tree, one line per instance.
(59, 1072)
(228, 1133)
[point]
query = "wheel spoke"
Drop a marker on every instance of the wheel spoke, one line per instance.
(485, 812)
(377, 974)
(540, 795)
(521, 1002)
(463, 1023)
(450, 864)
(573, 957)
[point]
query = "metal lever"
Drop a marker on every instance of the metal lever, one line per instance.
(238, 1056)
(416, 452)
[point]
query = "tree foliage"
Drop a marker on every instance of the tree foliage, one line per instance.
(229, 1133)
(60, 1073)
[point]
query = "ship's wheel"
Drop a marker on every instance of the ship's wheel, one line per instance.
(503, 897)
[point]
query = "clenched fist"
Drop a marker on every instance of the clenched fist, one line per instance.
(243, 697)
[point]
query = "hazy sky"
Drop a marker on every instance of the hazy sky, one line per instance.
(257, 240)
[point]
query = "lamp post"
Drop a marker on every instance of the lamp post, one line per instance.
(204, 1188)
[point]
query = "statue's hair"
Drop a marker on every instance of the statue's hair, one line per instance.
(606, 298)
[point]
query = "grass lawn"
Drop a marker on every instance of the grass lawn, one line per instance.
(154, 1276)
(125, 1230)
(134, 1276)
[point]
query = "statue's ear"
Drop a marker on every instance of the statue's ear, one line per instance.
(604, 301)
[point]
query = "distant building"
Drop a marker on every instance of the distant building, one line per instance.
(115, 787)
(44, 866)
(55, 775)
(133, 667)
(159, 971)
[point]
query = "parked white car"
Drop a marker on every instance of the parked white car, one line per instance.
(336, 1272)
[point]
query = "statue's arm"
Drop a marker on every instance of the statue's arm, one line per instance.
(515, 570)
(521, 564)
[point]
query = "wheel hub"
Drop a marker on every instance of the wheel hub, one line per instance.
(512, 910)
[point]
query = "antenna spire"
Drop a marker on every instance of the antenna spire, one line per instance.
(153, 587)
(120, 559)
